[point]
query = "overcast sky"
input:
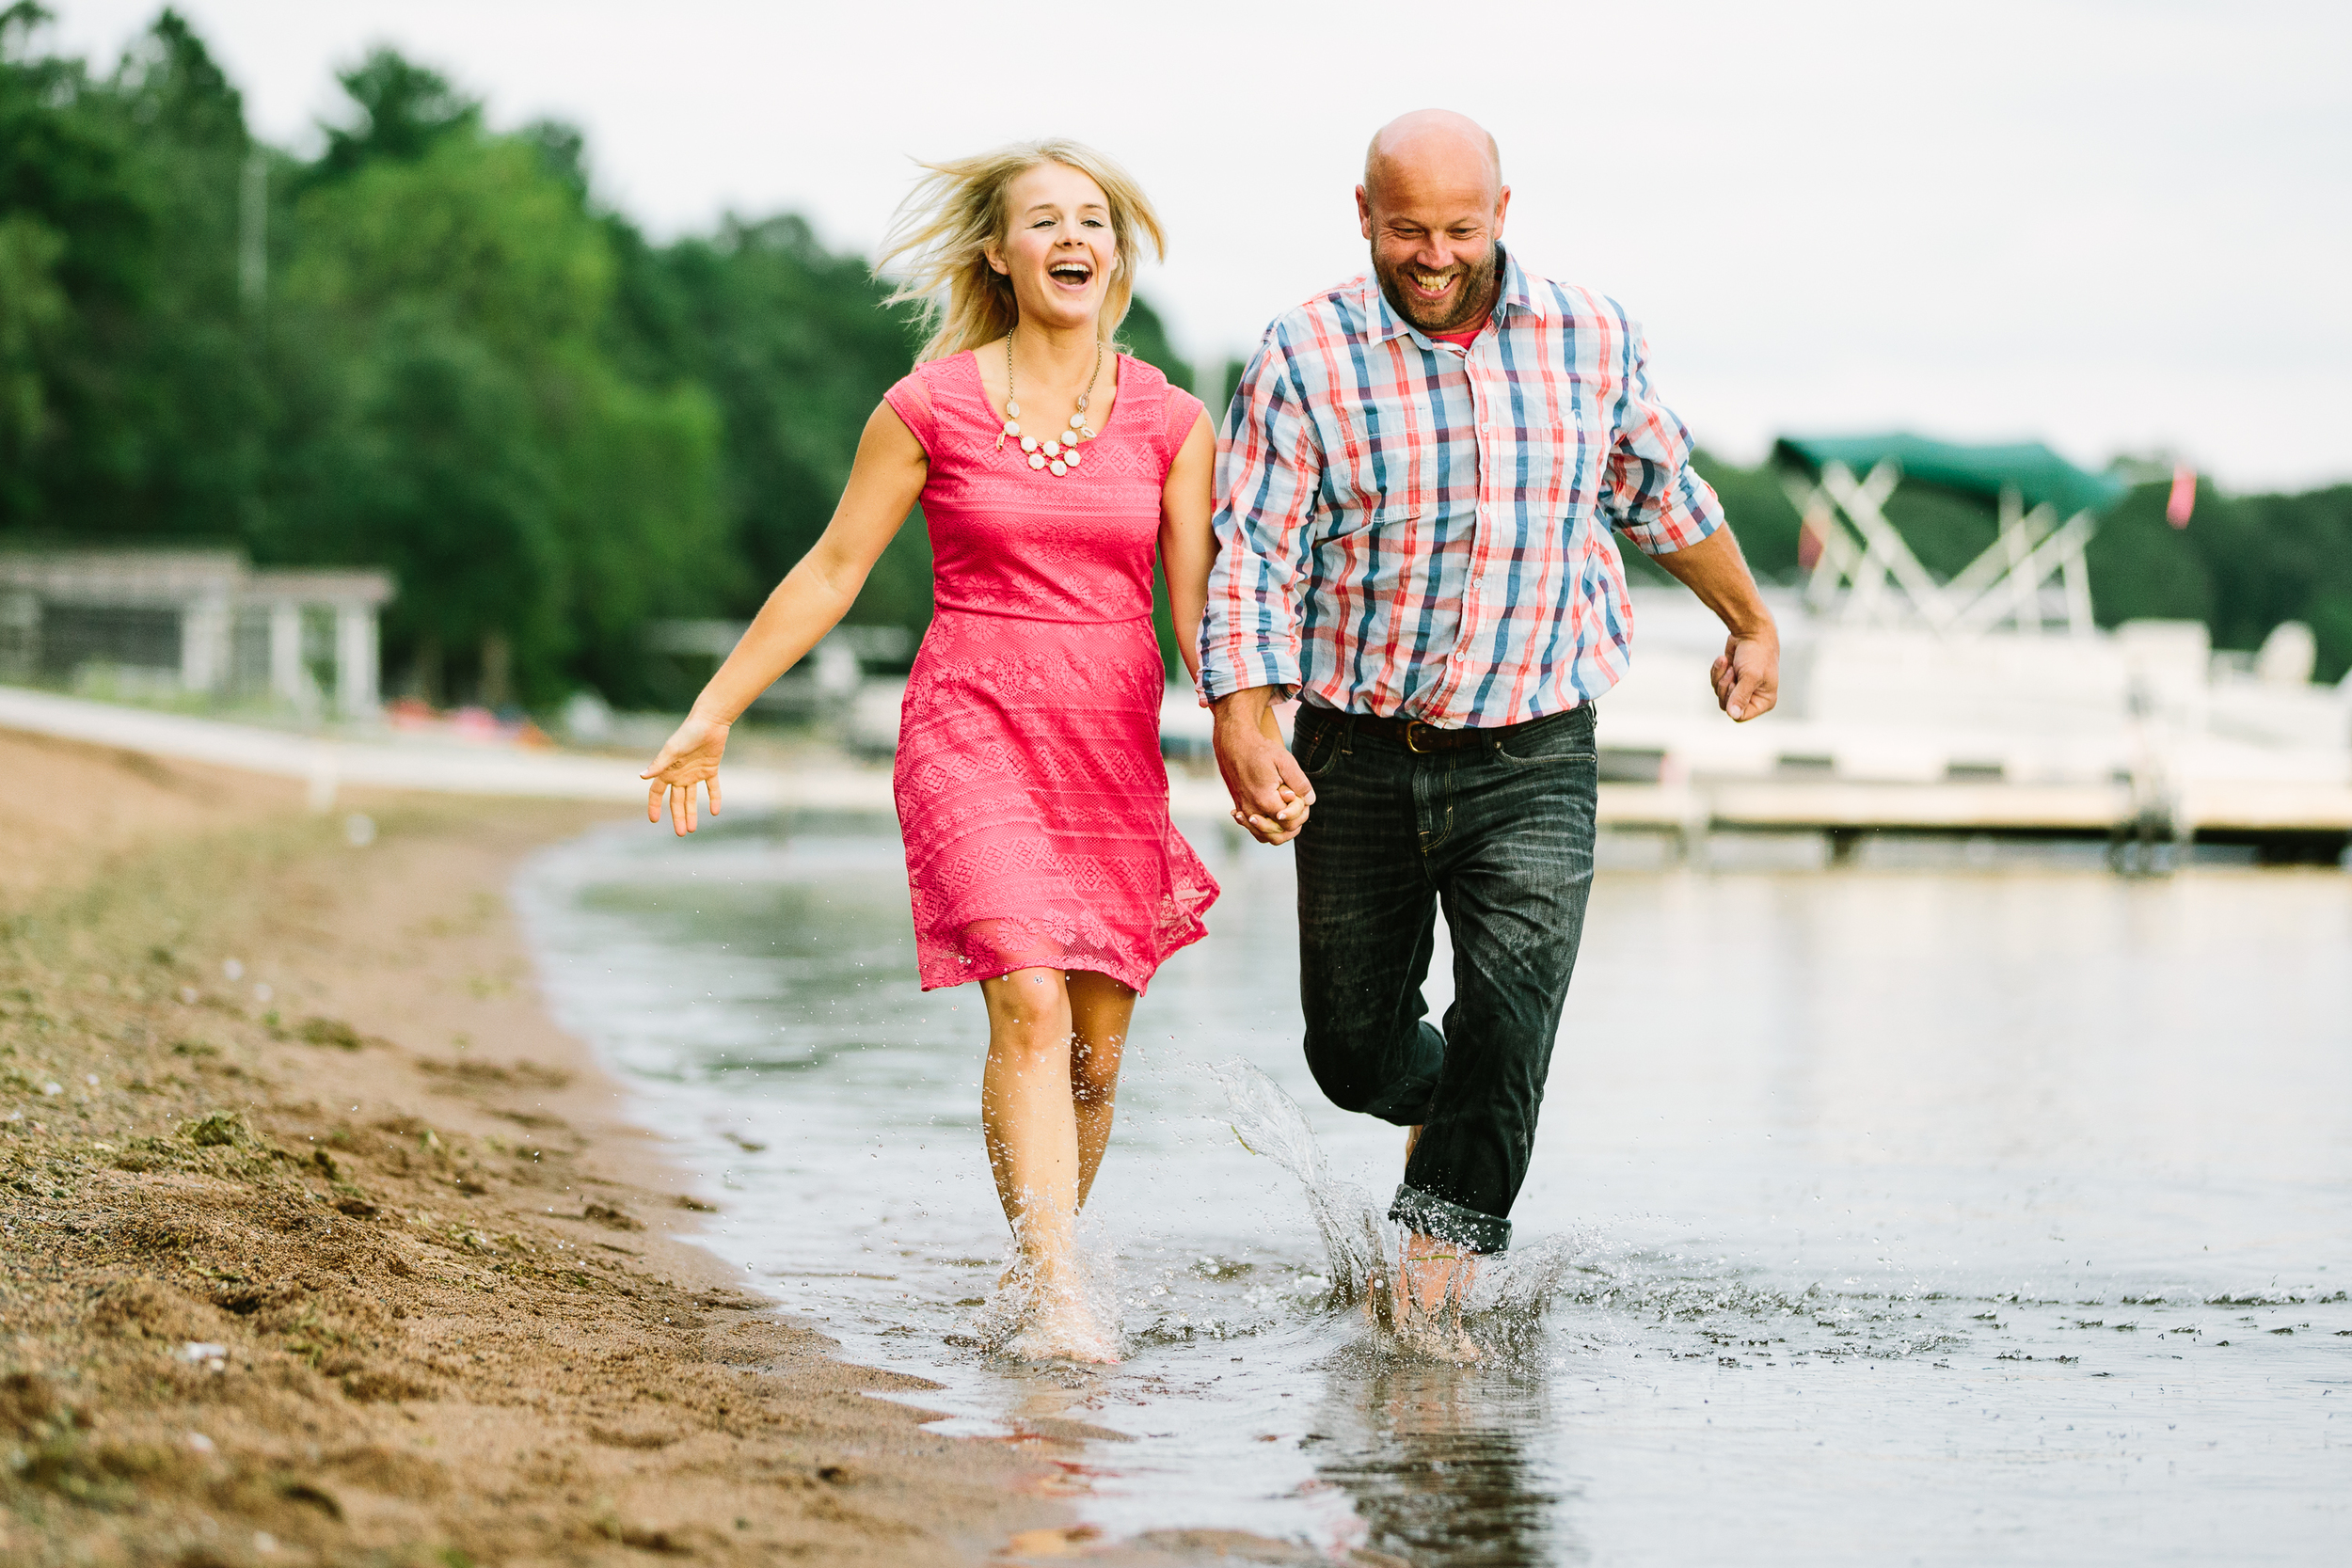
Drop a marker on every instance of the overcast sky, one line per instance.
(2114, 226)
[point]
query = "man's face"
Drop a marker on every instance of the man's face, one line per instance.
(1434, 224)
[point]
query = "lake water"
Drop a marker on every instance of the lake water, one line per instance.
(1943, 1208)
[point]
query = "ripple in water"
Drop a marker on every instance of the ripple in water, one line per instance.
(1958, 1218)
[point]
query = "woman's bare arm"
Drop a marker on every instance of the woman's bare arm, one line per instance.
(885, 483)
(1188, 549)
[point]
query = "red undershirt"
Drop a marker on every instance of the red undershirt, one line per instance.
(1460, 340)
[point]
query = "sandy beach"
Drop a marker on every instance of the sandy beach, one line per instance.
(319, 1242)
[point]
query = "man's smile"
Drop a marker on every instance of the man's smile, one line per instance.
(1432, 286)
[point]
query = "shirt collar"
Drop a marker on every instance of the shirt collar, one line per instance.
(1517, 294)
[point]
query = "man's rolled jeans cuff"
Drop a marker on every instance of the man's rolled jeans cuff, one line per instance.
(1449, 1222)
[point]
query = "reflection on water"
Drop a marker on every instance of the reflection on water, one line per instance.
(1939, 1213)
(1431, 1458)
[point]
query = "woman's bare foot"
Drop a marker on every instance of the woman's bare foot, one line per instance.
(1059, 1326)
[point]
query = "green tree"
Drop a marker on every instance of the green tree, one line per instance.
(1143, 335)
(2141, 568)
(442, 476)
(204, 405)
(2292, 561)
(794, 347)
(2243, 565)
(537, 506)
(32, 308)
(473, 231)
(133, 397)
(81, 246)
(404, 111)
(643, 489)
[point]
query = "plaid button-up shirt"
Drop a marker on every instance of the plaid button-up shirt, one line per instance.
(1408, 529)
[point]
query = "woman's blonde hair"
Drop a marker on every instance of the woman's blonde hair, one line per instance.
(943, 229)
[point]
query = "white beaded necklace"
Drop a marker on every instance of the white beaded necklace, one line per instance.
(1057, 452)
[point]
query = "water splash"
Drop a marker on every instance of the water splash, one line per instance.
(1074, 1318)
(1503, 1302)
(1267, 1123)
(1613, 1294)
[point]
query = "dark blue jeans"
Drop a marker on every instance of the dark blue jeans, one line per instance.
(1500, 835)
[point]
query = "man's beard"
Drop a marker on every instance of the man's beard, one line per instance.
(1473, 297)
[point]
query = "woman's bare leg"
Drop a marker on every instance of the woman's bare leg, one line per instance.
(1100, 1009)
(1046, 1097)
(1026, 1112)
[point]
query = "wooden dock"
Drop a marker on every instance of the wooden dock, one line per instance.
(2284, 822)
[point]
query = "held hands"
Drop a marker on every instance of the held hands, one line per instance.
(1747, 676)
(1271, 796)
(1283, 826)
(690, 757)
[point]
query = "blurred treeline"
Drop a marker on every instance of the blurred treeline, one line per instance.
(2243, 565)
(428, 349)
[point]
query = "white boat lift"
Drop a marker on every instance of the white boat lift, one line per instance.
(1861, 572)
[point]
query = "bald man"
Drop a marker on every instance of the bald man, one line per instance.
(1419, 483)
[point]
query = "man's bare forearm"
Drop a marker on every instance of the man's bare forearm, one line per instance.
(1244, 710)
(1714, 570)
(1746, 677)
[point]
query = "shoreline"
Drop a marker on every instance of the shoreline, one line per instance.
(326, 1244)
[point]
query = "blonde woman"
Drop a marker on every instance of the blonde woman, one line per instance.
(1030, 790)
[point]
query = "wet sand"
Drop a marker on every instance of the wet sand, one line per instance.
(319, 1242)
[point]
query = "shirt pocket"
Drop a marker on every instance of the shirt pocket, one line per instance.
(1358, 475)
(1562, 449)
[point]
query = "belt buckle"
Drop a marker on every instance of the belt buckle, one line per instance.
(1410, 743)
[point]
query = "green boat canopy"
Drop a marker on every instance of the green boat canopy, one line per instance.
(2038, 473)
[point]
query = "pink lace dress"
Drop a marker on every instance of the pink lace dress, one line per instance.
(1031, 793)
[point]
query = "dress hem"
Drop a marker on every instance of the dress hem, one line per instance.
(1140, 986)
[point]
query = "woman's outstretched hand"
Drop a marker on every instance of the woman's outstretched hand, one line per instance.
(690, 757)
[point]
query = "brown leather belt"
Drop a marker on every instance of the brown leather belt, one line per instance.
(1416, 737)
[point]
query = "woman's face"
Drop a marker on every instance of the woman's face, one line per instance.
(1060, 249)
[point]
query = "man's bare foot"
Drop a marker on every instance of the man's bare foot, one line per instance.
(1433, 1277)
(1441, 1340)
(1421, 1300)
(1424, 1297)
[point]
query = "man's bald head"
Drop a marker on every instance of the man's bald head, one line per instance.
(1432, 204)
(1432, 146)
